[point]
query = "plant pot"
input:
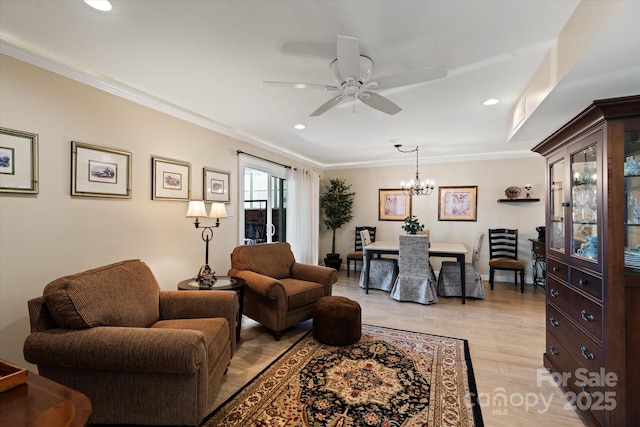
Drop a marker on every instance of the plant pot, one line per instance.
(334, 261)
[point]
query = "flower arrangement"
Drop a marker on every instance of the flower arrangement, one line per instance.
(412, 225)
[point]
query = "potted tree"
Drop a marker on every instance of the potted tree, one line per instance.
(336, 203)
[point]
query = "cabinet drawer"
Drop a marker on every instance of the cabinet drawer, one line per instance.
(583, 349)
(558, 269)
(569, 373)
(587, 283)
(576, 307)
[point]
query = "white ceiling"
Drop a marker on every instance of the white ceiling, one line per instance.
(205, 61)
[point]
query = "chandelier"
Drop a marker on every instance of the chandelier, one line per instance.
(415, 187)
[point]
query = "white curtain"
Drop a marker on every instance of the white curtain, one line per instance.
(303, 214)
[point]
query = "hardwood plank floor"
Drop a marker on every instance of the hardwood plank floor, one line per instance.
(506, 334)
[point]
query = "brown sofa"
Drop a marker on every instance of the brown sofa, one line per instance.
(280, 292)
(142, 355)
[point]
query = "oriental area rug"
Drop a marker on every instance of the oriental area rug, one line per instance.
(388, 378)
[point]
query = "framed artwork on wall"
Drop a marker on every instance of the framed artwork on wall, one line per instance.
(393, 205)
(18, 161)
(215, 186)
(170, 179)
(100, 171)
(458, 203)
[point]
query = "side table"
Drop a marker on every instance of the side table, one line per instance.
(224, 283)
(42, 402)
(538, 262)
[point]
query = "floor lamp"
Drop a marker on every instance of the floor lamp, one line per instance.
(197, 209)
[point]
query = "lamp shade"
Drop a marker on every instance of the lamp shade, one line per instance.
(218, 211)
(196, 209)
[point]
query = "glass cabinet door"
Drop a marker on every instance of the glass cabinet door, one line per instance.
(632, 194)
(584, 203)
(557, 205)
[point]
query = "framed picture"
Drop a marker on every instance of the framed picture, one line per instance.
(170, 179)
(215, 185)
(458, 203)
(393, 205)
(100, 171)
(18, 161)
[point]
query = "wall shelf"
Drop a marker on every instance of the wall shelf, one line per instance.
(517, 200)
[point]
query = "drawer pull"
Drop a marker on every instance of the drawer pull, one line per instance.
(584, 390)
(555, 269)
(565, 204)
(554, 293)
(582, 282)
(553, 350)
(586, 316)
(554, 322)
(589, 356)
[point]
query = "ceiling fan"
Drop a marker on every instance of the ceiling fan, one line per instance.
(352, 72)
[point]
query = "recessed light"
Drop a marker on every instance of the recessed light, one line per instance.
(491, 101)
(101, 5)
(300, 126)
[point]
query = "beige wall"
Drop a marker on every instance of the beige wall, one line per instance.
(51, 234)
(491, 177)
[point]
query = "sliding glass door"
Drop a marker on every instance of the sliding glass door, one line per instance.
(263, 202)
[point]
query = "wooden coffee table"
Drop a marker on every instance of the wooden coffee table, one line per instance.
(42, 402)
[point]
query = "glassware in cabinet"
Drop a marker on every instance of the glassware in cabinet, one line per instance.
(632, 196)
(584, 203)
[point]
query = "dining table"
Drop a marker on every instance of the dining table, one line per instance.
(436, 249)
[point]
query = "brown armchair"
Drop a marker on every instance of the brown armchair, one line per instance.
(142, 355)
(280, 292)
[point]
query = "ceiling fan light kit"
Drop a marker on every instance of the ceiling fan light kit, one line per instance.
(352, 71)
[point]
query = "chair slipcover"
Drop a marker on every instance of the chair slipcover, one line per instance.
(449, 278)
(383, 270)
(416, 281)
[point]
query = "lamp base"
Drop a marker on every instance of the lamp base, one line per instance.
(206, 278)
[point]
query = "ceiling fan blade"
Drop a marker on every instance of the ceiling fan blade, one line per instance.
(379, 102)
(348, 57)
(410, 78)
(328, 105)
(300, 85)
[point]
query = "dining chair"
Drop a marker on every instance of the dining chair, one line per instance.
(416, 281)
(503, 254)
(383, 271)
(357, 254)
(449, 284)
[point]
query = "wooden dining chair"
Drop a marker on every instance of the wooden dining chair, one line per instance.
(357, 254)
(503, 254)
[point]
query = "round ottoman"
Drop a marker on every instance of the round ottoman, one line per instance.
(336, 321)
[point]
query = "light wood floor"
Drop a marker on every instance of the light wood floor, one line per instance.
(506, 334)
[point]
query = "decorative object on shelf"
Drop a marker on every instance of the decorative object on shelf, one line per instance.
(512, 192)
(336, 203)
(197, 209)
(412, 225)
(393, 204)
(528, 190)
(170, 179)
(586, 177)
(633, 216)
(100, 171)
(631, 166)
(415, 187)
(590, 248)
(458, 203)
(18, 161)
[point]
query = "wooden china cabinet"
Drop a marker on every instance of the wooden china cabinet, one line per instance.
(593, 261)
